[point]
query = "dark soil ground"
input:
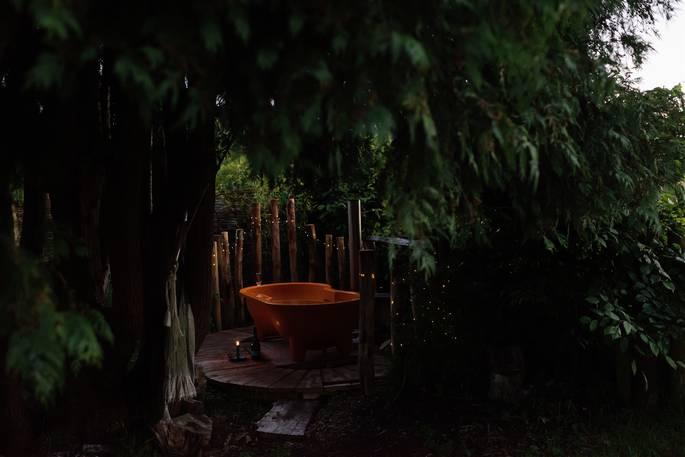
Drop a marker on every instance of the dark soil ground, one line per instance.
(348, 425)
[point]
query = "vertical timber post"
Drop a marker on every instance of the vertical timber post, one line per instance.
(328, 245)
(257, 236)
(340, 249)
(354, 224)
(399, 304)
(292, 239)
(275, 242)
(367, 292)
(226, 286)
(240, 307)
(311, 252)
(216, 299)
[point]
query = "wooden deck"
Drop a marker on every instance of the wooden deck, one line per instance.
(321, 372)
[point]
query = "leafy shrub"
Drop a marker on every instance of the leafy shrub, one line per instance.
(46, 341)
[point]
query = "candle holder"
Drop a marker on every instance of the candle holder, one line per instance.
(237, 356)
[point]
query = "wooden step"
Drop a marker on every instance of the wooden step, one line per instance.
(288, 418)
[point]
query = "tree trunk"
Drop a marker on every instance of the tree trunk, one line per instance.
(123, 230)
(6, 219)
(197, 261)
(35, 215)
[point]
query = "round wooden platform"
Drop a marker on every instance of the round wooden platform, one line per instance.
(321, 372)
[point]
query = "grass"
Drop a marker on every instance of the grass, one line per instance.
(629, 434)
(632, 433)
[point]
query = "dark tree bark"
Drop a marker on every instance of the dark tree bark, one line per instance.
(197, 261)
(124, 209)
(199, 243)
(6, 219)
(35, 214)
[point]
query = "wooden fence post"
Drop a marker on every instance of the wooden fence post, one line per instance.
(275, 242)
(328, 245)
(216, 300)
(292, 239)
(226, 283)
(354, 224)
(340, 250)
(257, 236)
(399, 306)
(311, 252)
(394, 278)
(367, 291)
(239, 238)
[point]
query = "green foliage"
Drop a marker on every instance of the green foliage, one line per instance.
(637, 301)
(512, 105)
(487, 128)
(45, 342)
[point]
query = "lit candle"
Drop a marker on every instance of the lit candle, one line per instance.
(237, 349)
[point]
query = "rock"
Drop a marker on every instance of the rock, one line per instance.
(184, 436)
(96, 450)
(192, 407)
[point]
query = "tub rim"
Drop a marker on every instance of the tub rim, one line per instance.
(244, 293)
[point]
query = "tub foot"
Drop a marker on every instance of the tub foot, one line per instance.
(344, 346)
(297, 350)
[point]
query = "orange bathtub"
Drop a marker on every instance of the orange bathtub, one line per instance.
(309, 315)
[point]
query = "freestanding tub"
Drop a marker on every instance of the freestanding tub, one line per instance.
(309, 315)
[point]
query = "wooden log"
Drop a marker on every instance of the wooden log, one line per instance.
(311, 252)
(328, 246)
(275, 242)
(340, 250)
(216, 299)
(292, 239)
(354, 225)
(239, 239)
(394, 278)
(367, 292)
(257, 237)
(399, 306)
(226, 281)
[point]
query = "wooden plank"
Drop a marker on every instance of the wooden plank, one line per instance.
(367, 290)
(288, 418)
(397, 241)
(348, 373)
(328, 258)
(354, 225)
(223, 339)
(226, 282)
(381, 367)
(260, 376)
(289, 382)
(235, 374)
(311, 382)
(338, 375)
(275, 242)
(240, 305)
(216, 299)
(256, 222)
(240, 331)
(340, 251)
(311, 252)
(275, 371)
(292, 239)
